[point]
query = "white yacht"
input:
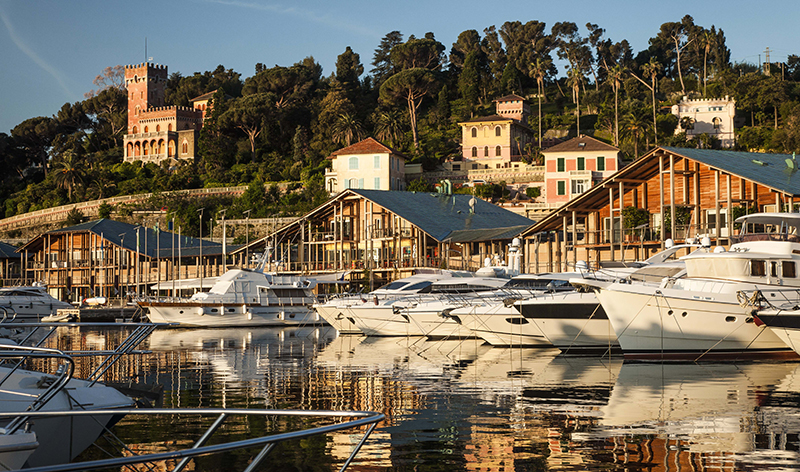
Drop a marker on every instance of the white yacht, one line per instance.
(336, 311)
(707, 311)
(241, 297)
(29, 303)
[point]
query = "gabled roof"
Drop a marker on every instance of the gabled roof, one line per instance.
(151, 242)
(769, 170)
(367, 146)
(208, 96)
(442, 216)
(8, 251)
(581, 143)
(509, 98)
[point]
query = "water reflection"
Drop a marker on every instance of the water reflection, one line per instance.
(462, 405)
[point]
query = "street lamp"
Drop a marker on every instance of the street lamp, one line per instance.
(202, 267)
(224, 242)
(247, 238)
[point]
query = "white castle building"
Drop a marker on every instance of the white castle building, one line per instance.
(713, 116)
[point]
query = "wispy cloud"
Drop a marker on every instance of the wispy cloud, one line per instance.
(329, 21)
(33, 56)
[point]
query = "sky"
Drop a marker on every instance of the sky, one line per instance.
(51, 50)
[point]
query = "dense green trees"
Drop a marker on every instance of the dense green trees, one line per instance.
(279, 124)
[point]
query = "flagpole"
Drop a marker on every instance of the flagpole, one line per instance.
(172, 265)
(179, 253)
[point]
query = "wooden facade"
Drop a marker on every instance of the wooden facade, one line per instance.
(686, 194)
(370, 230)
(102, 258)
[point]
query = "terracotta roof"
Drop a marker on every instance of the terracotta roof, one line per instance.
(581, 143)
(509, 98)
(208, 96)
(367, 146)
(490, 118)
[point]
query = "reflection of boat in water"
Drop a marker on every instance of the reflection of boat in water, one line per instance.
(712, 406)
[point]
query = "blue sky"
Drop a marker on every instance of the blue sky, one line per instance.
(51, 50)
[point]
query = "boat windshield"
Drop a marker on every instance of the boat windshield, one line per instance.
(768, 230)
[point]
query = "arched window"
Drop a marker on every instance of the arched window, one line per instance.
(161, 147)
(137, 150)
(486, 151)
(137, 109)
(129, 149)
(146, 128)
(171, 149)
(185, 147)
(354, 183)
(498, 151)
(474, 132)
(716, 122)
(474, 152)
(144, 148)
(158, 128)
(169, 127)
(497, 131)
(353, 164)
(135, 130)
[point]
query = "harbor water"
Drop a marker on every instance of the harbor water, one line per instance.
(462, 405)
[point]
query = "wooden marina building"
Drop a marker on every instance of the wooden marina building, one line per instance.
(111, 259)
(677, 193)
(393, 233)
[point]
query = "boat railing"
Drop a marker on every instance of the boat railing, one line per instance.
(200, 447)
(8, 314)
(54, 382)
(139, 332)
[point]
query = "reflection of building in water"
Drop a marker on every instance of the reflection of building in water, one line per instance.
(494, 444)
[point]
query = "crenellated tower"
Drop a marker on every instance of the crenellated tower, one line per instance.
(146, 84)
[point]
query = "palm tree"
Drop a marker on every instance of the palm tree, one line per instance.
(651, 70)
(389, 127)
(615, 75)
(707, 41)
(69, 173)
(347, 130)
(635, 125)
(538, 71)
(575, 80)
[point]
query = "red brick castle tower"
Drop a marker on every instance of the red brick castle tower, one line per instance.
(157, 132)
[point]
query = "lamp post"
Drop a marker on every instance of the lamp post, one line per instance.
(224, 243)
(202, 267)
(121, 253)
(247, 238)
(136, 267)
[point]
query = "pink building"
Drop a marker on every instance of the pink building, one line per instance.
(574, 166)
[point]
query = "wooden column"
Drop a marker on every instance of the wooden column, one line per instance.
(697, 205)
(564, 251)
(574, 240)
(672, 195)
(621, 223)
(716, 205)
(611, 221)
(729, 218)
(661, 197)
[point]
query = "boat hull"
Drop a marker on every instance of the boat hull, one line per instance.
(573, 322)
(501, 326)
(664, 323)
(338, 317)
(229, 315)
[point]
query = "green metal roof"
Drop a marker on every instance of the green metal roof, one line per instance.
(448, 216)
(124, 235)
(8, 251)
(770, 170)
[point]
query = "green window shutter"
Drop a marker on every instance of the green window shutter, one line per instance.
(562, 187)
(560, 164)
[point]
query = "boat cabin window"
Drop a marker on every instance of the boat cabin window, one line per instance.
(423, 287)
(758, 268)
(773, 268)
(789, 269)
(539, 284)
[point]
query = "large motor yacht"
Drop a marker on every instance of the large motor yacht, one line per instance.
(29, 303)
(708, 310)
(241, 297)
